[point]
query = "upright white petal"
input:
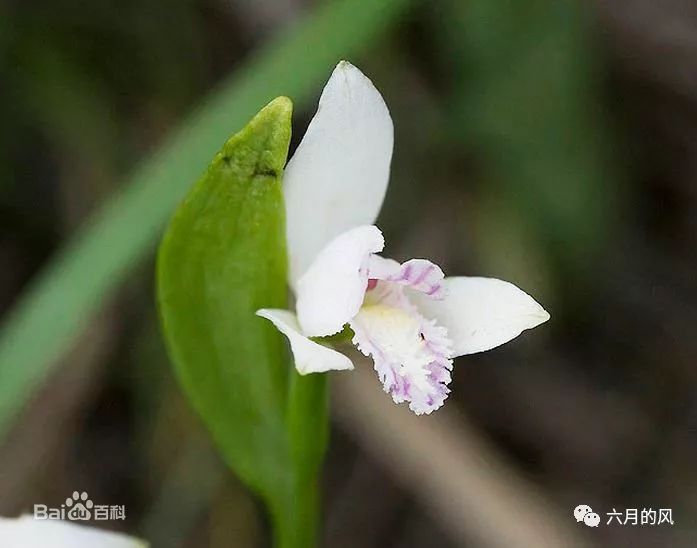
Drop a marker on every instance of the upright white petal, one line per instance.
(310, 357)
(27, 532)
(338, 177)
(481, 313)
(331, 292)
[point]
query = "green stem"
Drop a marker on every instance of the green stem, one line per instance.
(297, 522)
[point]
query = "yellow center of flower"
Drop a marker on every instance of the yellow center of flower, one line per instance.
(397, 334)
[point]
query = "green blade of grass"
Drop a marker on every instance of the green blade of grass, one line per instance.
(60, 301)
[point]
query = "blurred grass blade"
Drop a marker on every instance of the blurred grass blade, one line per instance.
(222, 258)
(60, 301)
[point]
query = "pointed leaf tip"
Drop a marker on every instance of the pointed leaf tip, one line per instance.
(282, 105)
(266, 136)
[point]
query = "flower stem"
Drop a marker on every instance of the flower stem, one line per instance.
(297, 523)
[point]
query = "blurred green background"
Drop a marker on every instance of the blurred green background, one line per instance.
(549, 143)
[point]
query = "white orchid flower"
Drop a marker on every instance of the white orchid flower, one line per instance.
(27, 532)
(409, 318)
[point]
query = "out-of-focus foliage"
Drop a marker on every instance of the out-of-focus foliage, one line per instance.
(525, 101)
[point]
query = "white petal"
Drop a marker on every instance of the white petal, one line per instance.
(380, 267)
(331, 292)
(27, 532)
(310, 357)
(482, 313)
(338, 177)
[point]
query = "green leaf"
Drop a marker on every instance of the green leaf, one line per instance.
(222, 258)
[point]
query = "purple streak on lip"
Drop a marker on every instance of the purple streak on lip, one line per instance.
(434, 289)
(422, 275)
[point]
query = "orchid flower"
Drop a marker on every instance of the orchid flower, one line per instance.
(27, 532)
(409, 318)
